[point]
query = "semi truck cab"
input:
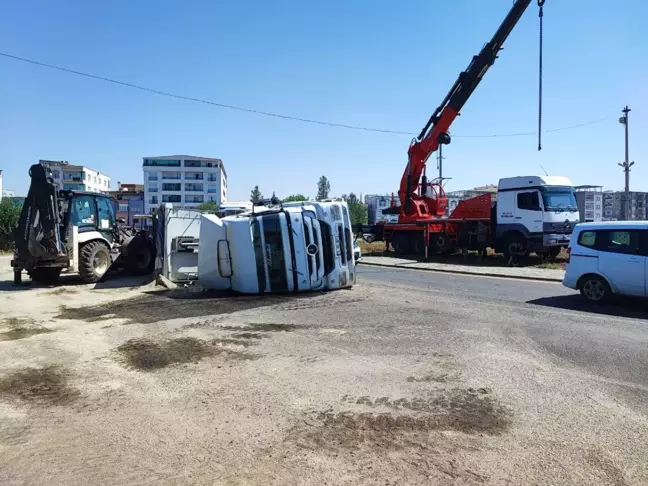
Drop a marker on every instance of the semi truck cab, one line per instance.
(539, 212)
(295, 247)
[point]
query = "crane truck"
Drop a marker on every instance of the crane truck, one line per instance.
(531, 214)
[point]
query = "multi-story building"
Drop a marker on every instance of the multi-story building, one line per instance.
(614, 204)
(129, 202)
(77, 177)
(590, 203)
(376, 204)
(184, 180)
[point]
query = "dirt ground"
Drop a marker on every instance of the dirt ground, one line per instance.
(127, 384)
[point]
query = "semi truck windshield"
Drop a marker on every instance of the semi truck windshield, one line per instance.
(559, 198)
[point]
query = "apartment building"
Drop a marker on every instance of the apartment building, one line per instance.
(590, 203)
(129, 202)
(614, 203)
(186, 181)
(77, 177)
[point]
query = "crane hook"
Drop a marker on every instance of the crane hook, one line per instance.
(540, 16)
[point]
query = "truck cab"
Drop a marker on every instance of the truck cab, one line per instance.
(535, 213)
(294, 247)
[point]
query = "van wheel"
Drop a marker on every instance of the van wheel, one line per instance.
(594, 288)
(94, 261)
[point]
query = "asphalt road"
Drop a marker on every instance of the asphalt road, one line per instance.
(609, 341)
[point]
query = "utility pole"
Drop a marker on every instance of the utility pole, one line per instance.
(440, 158)
(626, 164)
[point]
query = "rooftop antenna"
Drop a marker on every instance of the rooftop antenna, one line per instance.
(543, 170)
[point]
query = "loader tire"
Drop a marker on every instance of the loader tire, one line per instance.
(45, 275)
(94, 261)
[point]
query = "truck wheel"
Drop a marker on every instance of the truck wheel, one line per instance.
(94, 261)
(594, 288)
(419, 245)
(402, 243)
(45, 275)
(515, 248)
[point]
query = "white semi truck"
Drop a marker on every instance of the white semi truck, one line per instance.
(294, 247)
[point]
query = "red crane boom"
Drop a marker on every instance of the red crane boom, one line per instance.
(431, 203)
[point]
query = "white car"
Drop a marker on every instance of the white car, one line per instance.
(608, 258)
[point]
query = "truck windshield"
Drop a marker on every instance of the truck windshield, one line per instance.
(559, 198)
(269, 252)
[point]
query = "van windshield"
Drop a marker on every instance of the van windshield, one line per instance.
(559, 198)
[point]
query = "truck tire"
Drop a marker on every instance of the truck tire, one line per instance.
(94, 261)
(418, 245)
(45, 275)
(402, 243)
(515, 248)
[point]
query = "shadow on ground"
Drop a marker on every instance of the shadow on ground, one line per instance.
(622, 307)
(473, 260)
(113, 280)
(155, 305)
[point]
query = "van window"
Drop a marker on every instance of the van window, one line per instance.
(620, 241)
(587, 239)
(529, 201)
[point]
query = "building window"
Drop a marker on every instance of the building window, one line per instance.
(152, 189)
(153, 200)
(212, 190)
(152, 177)
(123, 207)
(161, 163)
(172, 198)
(192, 163)
(172, 187)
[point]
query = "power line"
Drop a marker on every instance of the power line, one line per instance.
(275, 115)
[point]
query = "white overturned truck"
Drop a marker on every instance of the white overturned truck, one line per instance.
(294, 247)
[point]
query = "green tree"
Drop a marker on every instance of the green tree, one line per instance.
(209, 206)
(357, 211)
(9, 216)
(255, 195)
(323, 188)
(295, 197)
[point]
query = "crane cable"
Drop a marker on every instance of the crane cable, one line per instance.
(540, 16)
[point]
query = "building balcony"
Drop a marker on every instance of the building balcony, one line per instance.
(172, 178)
(153, 178)
(194, 189)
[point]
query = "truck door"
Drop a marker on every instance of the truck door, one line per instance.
(528, 211)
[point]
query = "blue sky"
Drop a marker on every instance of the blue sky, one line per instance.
(378, 64)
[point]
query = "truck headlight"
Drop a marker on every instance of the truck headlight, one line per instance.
(552, 242)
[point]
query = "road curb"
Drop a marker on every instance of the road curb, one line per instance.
(463, 272)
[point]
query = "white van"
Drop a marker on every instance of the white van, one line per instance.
(608, 258)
